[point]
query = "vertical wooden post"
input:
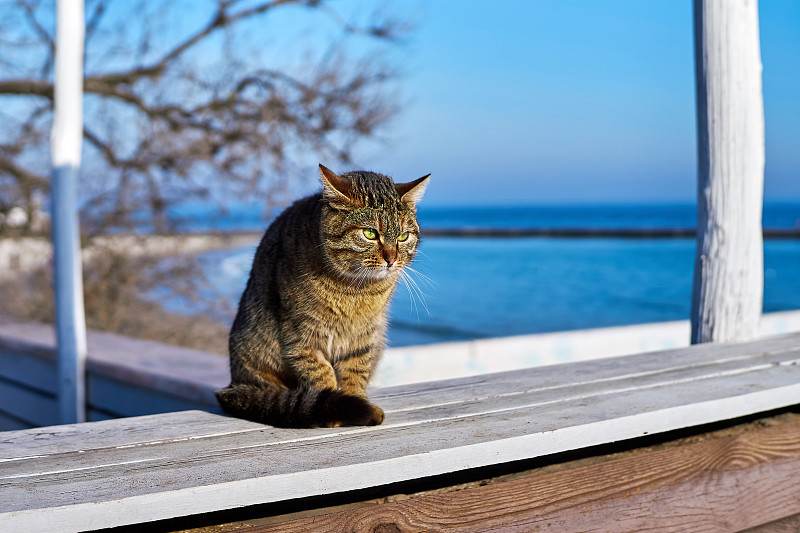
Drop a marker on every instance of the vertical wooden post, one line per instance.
(728, 274)
(66, 140)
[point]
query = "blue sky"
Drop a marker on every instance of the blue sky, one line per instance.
(529, 101)
(542, 102)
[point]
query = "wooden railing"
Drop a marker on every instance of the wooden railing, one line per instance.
(137, 470)
(125, 377)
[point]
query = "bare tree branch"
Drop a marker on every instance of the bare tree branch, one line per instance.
(27, 87)
(43, 34)
(25, 179)
(93, 20)
(166, 129)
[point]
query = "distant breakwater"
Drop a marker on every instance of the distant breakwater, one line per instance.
(589, 232)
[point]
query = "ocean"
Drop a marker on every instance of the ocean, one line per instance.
(471, 288)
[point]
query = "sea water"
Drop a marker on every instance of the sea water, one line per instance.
(471, 288)
(253, 217)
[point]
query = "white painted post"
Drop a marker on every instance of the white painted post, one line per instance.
(66, 140)
(729, 270)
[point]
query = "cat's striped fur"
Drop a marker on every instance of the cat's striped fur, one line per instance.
(312, 320)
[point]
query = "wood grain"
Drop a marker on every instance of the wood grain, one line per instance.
(784, 525)
(722, 485)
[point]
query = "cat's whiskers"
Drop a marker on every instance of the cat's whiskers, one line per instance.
(417, 291)
(422, 295)
(414, 295)
(414, 306)
(424, 278)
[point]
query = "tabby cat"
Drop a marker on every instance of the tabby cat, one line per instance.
(312, 320)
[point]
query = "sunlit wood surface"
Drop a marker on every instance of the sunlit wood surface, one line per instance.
(134, 470)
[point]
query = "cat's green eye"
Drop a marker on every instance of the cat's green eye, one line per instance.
(370, 234)
(403, 237)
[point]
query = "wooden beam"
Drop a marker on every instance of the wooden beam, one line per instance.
(720, 485)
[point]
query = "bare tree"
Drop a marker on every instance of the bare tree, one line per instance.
(181, 102)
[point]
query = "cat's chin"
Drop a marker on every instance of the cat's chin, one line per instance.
(384, 273)
(377, 274)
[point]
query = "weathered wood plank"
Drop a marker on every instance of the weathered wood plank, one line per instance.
(614, 368)
(549, 402)
(30, 405)
(431, 448)
(163, 370)
(29, 364)
(790, 524)
(173, 370)
(120, 472)
(721, 485)
(243, 469)
(96, 415)
(128, 399)
(126, 377)
(26, 374)
(9, 422)
(593, 377)
(126, 432)
(149, 364)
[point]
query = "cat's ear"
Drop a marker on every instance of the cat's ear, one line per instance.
(335, 187)
(412, 192)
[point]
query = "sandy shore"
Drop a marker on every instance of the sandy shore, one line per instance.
(26, 253)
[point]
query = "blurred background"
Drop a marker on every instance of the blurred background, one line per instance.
(205, 119)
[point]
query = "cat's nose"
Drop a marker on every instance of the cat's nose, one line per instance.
(390, 257)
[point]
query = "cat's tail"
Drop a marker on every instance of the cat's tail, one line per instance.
(297, 408)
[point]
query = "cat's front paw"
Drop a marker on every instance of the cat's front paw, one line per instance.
(377, 415)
